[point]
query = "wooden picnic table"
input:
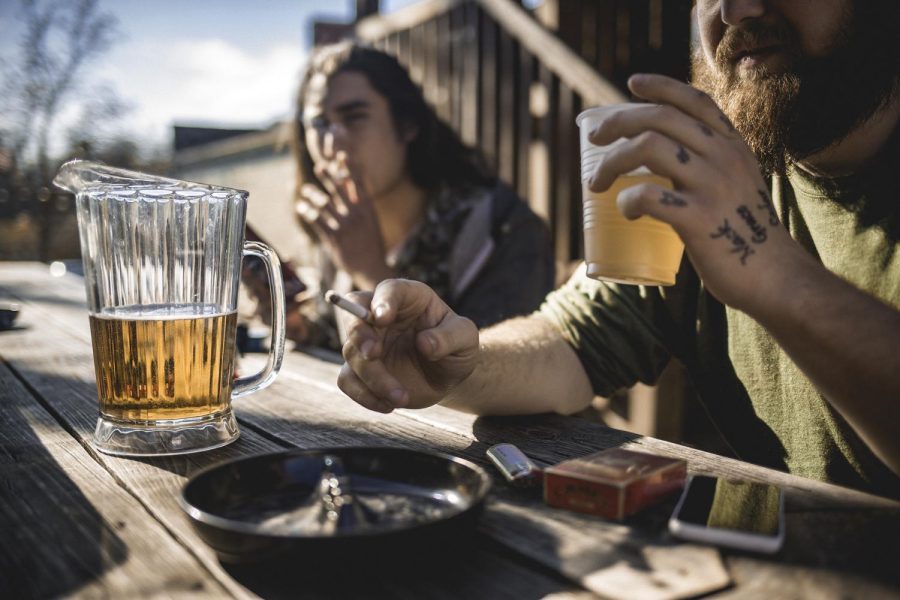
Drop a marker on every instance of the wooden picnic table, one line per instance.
(74, 522)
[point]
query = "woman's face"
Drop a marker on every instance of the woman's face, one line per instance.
(347, 116)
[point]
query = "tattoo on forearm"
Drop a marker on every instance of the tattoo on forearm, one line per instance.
(683, 155)
(738, 244)
(759, 231)
(727, 123)
(670, 199)
(766, 204)
(705, 129)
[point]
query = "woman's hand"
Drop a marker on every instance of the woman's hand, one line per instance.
(720, 206)
(346, 223)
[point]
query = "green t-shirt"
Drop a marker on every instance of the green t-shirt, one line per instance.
(764, 406)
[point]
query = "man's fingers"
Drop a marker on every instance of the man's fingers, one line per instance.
(665, 90)
(656, 201)
(363, 298)
(663, 156)
(695, 135)
(406, 301)
(453, 335)
(379, 382)
(353, 386)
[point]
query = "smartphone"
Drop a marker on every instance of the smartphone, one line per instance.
(732, 513)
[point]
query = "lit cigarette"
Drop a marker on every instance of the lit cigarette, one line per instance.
(357, 310)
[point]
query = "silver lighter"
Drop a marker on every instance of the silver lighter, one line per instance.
(515, 466)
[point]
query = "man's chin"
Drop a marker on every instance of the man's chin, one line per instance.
(756, 97)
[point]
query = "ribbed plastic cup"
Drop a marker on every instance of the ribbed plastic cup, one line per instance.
(644, 251)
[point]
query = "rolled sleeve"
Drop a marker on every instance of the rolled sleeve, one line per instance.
(615, 330)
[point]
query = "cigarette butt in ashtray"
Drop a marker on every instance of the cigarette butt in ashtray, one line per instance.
(357, 310)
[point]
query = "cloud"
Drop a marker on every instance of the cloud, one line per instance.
(208, 81)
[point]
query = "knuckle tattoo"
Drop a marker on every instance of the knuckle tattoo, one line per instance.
(727, 122)
(671, 199)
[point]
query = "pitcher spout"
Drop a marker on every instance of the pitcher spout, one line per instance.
(77, 176)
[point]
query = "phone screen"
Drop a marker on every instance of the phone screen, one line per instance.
(740, 506)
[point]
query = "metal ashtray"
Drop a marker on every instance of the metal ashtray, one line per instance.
(335, 502)
(8, 314)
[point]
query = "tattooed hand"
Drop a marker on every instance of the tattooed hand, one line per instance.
(720, 205)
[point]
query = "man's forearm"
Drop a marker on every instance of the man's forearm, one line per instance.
(525, 367)
(848, 345)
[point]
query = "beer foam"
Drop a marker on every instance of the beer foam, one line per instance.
(163, 312)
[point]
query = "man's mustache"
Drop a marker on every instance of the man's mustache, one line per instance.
(738, 41)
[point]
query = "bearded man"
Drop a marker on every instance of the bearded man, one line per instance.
(786, 314)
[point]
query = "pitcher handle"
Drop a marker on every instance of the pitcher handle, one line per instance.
(252, 383)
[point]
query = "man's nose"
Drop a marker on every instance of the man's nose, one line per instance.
(734, 12)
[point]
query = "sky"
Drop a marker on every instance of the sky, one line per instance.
(228, 63)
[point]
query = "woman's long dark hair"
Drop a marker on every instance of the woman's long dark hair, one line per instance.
(436, 157)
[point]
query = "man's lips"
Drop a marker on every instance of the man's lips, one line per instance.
(752, 56)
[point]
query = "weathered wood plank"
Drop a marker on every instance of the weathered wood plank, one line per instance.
(444, 70)
(304, 408)
(470, 78)
(507, 76)
(548, 438)
(59, 369)
(380, 25)
(487, 110)
(567, 65)
(308, 413)
(548, 128)
(606, 38)
(315, 415)
(458, 46)
(68, 526)
(157, 481)
(523, 124)
(566, 187)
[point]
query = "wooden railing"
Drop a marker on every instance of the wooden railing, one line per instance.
(621, 37)
(477, 62)
(513, 88)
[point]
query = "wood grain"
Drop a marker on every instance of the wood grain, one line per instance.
(69, 526)
(61, 376)
(829, 527)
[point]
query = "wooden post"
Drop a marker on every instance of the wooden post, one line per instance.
(364, 8)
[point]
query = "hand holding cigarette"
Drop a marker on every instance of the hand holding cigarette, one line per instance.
(410, 350)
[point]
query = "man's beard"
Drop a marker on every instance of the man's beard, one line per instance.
(813, 103)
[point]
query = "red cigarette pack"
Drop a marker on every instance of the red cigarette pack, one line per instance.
(613, 483)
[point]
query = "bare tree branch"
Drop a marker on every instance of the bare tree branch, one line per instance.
(59, 40)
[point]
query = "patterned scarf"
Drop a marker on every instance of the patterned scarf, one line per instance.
(425, 256)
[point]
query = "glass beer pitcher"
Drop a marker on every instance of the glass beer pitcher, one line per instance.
(162, 263)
